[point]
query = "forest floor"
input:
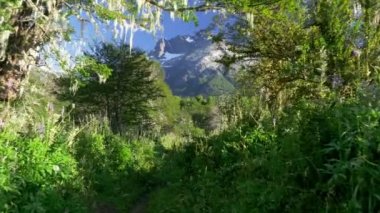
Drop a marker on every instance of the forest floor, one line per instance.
(141, 205)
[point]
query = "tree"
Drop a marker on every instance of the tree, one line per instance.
(307, 50)
(26, 25)
(125, 98)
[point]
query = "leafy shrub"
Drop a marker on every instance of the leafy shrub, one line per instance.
(37, 176)
(319, 157)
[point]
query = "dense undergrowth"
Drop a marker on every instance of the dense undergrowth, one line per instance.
(301, 134)
(319, 157)
(326, 160)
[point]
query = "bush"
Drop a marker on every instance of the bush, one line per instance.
(36, 176)
(318, 158)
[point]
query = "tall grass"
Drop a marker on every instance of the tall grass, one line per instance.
(320, 156)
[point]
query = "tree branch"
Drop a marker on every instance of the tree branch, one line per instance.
(206, 7)
(200, 8)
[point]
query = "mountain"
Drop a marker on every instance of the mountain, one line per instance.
(190, 65)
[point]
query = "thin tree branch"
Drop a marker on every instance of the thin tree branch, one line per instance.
(206, 7)
(200, 8)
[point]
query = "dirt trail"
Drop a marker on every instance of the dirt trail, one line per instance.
(105, 208)
(142, 205)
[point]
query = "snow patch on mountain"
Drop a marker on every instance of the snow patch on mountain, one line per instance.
(189, 39)
(191, 65)
(169, 56)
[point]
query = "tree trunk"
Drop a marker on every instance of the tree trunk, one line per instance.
(18, 46)
(18, 61)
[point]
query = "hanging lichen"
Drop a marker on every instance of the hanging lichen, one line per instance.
(26, 25)
(4, 37)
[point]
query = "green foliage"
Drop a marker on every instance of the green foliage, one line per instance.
(297, 139)
(125, 97)
(53, 167)
(203, 114)
(185, 116)
(220, 85)
(114, 169)
(166, 110)
(38, 172)
(107, 14)
(305, 51)
(8, 6)
(320, 158)
(88, 66)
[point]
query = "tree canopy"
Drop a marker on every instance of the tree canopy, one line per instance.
(307, 50)
(125, 98)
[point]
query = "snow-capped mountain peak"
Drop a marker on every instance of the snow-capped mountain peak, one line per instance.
(191, 67)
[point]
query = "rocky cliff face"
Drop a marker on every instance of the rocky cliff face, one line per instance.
(191, 67)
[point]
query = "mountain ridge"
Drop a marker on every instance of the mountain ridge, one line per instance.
(191, 67)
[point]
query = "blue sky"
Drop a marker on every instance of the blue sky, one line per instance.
(172, 28)
(142, 39)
